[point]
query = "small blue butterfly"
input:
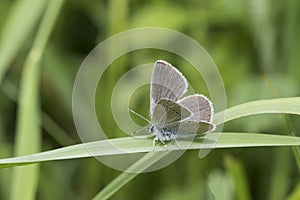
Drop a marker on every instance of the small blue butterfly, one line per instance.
(171, 117)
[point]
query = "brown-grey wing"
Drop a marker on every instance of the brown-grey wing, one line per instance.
(200, 106)
(166, 82)
(167, 111)
(186, 128)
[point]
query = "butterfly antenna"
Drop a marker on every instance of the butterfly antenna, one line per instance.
(137, 114)
(138, 131)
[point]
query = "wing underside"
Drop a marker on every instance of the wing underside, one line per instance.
(166, 83)
(167, 111)
(186, 128)
(200, 107)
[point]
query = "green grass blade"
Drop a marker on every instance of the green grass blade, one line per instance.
(236, 170)
(150, 158)
(52, 128)
(220, 185)
(224, 141)
(280, 182)
(25, 179)
(21, 19)
(279, 105)
(137, 145)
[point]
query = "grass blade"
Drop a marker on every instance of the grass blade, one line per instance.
(52, 128)
(150, 158)
(13, 33)
(137, 145)
(24, 179)
(224, 141)
(278, 105)
(236, 170)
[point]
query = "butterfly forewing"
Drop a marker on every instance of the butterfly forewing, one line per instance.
(186, 128)
(200, 107)
(166, 82)
(167, 111)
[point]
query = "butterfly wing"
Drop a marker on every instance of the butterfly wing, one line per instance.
(167, 111)
(166, 82)
(186, 128)
(200, 107)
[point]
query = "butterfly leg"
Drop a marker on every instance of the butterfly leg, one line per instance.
(163, 142)
(153, 142)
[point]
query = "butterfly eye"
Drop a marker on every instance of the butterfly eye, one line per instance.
(150, 128)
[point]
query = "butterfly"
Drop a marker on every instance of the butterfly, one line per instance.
(173, 117)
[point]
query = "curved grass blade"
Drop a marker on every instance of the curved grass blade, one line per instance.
(25, 179)
(133, 145)
(129, 145)
(279, 105)
(284, 105)
(150, 158)
(17, 28)
(238, 175)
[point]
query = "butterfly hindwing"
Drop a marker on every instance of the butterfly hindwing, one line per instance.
(200, 107)
(166, 83)
(186, 128)
(167, 111)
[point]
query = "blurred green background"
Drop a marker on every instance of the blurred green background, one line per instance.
(248, 40)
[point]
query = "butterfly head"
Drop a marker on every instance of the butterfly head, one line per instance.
(151, 128)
